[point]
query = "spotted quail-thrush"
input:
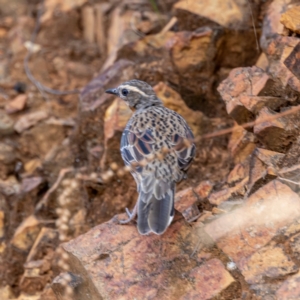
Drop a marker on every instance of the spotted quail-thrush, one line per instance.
(162, 138)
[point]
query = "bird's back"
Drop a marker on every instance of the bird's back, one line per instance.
(162, 142)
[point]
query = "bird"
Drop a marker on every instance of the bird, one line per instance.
(158, 146)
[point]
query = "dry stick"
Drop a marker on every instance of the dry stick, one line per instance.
(30, 76)
(253, 24)
(251, 124)
(61, 175)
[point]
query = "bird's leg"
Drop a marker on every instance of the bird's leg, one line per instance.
(131, 215)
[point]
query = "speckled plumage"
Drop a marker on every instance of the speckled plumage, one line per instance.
(152, 129)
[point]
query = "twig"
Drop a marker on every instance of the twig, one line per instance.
(42, 88)
(61, 175)
(251, 124)
(253, 24)
(169, 25)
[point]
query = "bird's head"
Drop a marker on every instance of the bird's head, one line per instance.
(136, 93)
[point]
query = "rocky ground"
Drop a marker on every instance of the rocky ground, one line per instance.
(230, 67)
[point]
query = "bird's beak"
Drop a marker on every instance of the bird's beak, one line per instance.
(112, 91)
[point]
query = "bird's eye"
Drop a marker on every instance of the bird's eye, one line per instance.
(125, 92)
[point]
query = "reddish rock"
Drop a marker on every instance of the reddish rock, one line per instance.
(268, 262)
(185, 202)
(238, 173)
(210, 279)
(241, 144)
(16, 104)
(184, 199)
(250, 227)
(242, 92)
(291, 19)
(270, 158)
(203, 189)
(290, 289)
(115, 262)
(225, 194)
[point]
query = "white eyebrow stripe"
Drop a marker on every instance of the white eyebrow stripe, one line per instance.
(134, 89)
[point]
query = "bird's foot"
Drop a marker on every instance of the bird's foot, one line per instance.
(131, 215)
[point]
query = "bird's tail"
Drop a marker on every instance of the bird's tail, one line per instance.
(155, 215)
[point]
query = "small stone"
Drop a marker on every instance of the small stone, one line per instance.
(203, 189)
(30, 120)
(16, 104)
(6, 293)
(6, 124)
(185, 199)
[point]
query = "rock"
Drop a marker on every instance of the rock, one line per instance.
(269, 262)
(241, 144)
(266, 291)
(216, 198)
(291, 157)
(211, 279)
(268, 157)
(262, 62)
(101, 255)
(274, 134)
(290, 289)
(238, 173)
(35, 276)
(292, 61)
(229, 13)
(6, 293)
(24, 296)
(291, 19)
(10, 186)
(32, 165)
(203, 189)
(6, 124)
(295, 246)
(26, 234)
(30, 120)
(246, 91)
(7, 160)
(7, 153)
(282, 65)
(185, 202)
(271, 23)
(248, 228)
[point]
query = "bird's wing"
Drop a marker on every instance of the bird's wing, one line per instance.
(184, 147)
(156, 193)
